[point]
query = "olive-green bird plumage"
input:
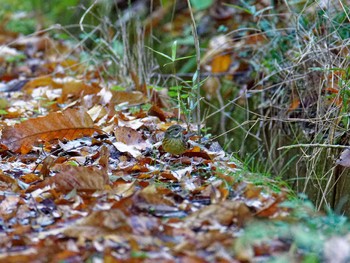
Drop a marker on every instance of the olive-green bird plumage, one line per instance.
(174, 140)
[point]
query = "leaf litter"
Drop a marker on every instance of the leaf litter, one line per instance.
(82, 176)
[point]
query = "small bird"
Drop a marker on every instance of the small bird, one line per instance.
(174, 140)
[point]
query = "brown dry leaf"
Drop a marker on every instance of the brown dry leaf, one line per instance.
(168, 175)
(213, 240)
(160, 98)
(99, 224)
(6, 179)
(73, 88)
(155, 196)
(71, 64)
(125, 189)
(130, 141)
(251, 191)
(30, 178)
(37, 43)
(66, 256)
(333, 99)
(76, 89)
(39, 82)
(294, 104)
(132, 98)
(129, 137)
(77, 177)
(104, 157)
(180, 173)
(225, 213)
(46, 165)
(26, 255)
(197, 152)
(69, 124)
(226, 178)
(272, 207)
(255, 39)
(160, 201)
(158, 112)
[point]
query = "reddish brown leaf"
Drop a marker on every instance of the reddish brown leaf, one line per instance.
(40, 81)
(197, 152)
(132, 98)
(332, 90)
(30, 178)
(46, 165)
(158, 112)
(271, 209)
(77, 89)
(294, 104)
(255, 39)
(80, 178)
(70, 124)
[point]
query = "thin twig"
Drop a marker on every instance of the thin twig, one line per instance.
(83, 16)
(314, 145)
(198, 61)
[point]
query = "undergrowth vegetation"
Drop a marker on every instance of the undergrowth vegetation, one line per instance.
(274, 83)
(272, 74)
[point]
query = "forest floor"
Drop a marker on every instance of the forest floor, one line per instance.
(84, 178)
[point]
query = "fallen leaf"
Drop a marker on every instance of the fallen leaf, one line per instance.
(294, 104)
(158, 112)
(221, 63)
(76, 177)
(225, 213)
(132, 98)
(131, 137)
(122, 147)
(69, 124)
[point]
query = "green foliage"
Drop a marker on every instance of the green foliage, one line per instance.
(118, 88)
(25, 26)
(16, 58)
(138, 254)
(201, 4)
(173, 57)
(32, 12)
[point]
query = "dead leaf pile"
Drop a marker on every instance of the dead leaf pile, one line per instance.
(83, 176)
